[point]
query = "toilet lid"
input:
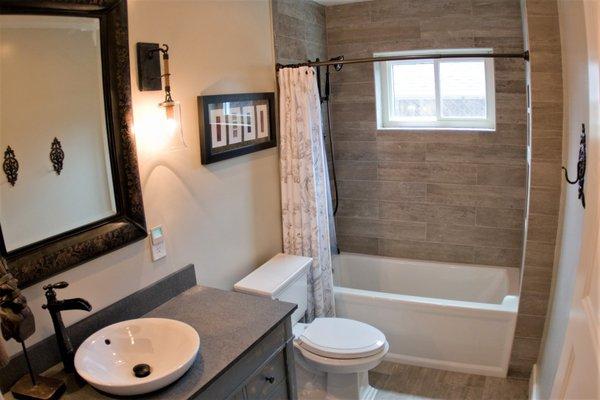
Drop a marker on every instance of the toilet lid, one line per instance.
(342, 338)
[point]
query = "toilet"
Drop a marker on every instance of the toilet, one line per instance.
(343, 349)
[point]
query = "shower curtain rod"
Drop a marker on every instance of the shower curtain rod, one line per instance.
(524, 55)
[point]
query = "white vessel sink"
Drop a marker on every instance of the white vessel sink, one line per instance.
(137, 356)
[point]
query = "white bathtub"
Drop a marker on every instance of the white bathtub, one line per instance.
(456, 317)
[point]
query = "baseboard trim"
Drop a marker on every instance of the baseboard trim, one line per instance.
(534, 393)
(447, 365)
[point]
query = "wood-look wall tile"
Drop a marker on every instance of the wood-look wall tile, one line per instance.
(427, 172)
(547, 149)
(533, 303)
(500, 218)
(434, 8)
(494, 8)
(542, 228)
(495, 175)
(539, 255)
(447, 26)
(546, 61)
(543, 8)
(510, 86)
(499, 257)
(546, 116)
(546, 174)
(425, 251)
(375, 32)
(481, 153)
(530, 326)
(544, 29)
(358, 208)
(459, 215)
(478, 196)
(291, 48)
(358, 244)
(506, 133)
(475, 236)
(290, 26)
(353, 14)
(546, 86)
(349, 132)
(353, 170)
(526, 347)
(544, 200)
(428, 136)
(353, 92)
(401, 191)
(537, 279)
(381, 229)
(355, 151)
(359, 190)
(401, 151)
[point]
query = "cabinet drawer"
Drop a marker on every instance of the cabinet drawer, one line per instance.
(234, 377)
(264, 383)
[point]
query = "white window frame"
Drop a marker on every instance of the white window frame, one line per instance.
(384, 93)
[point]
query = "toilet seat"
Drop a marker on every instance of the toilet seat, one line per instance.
(341, 338)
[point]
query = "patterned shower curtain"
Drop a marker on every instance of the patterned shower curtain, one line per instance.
(305, 184)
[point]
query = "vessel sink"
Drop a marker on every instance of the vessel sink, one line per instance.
(137, 356)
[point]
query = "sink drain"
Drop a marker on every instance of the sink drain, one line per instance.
(142, 370)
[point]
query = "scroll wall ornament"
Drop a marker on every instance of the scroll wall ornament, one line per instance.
(57, 156)
(10, 166)
(581, 164)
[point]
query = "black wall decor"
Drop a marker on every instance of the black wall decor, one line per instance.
(10, 166)
(57, 156)
(235, 124)
(40, 260)
(581, 166)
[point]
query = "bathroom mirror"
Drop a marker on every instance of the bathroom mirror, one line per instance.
(69, 189)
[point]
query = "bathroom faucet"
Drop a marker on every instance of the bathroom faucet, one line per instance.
(55, 307)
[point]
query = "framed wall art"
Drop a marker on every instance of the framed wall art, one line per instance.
(235, 124)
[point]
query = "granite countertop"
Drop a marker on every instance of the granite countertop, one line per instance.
(228, 323)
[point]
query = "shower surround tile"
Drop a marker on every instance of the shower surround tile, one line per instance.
(491, 192)
(466, 187)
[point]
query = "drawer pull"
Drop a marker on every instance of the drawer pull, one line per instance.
(270, 379)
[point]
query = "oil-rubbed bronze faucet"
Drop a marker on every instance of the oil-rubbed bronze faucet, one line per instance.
(55, 307)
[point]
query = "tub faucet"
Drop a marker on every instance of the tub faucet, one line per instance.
(55, 307)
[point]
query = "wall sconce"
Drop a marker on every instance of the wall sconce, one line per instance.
(150, 79)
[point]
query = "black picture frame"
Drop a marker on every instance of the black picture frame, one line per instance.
(207, 151)
(40, 260)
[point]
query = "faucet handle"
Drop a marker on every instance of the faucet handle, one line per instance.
(57, 285)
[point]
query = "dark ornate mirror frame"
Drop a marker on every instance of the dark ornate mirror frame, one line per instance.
(43, 259)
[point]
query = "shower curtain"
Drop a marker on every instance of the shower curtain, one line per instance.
(306, 213)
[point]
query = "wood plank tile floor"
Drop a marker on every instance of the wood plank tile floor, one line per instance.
(406, 382)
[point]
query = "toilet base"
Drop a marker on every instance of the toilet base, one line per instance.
(349, 387)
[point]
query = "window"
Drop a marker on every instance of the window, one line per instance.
(436, 93)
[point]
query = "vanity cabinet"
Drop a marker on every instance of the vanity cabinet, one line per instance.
(264, 372)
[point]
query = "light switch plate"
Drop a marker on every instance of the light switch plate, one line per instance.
(157, 241)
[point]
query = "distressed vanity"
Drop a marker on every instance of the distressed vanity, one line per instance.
(246, 349)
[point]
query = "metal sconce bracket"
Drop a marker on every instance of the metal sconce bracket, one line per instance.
(148, 66)
(581, 165)
(10, 166)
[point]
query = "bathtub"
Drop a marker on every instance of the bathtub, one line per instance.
(455, 317)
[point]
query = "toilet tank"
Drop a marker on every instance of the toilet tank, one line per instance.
(283, 277)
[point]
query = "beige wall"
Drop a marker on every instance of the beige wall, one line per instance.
(224, 218)
(434, 195)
